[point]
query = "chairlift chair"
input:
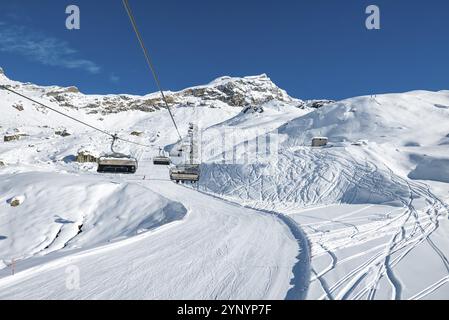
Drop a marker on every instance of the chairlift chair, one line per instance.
(185, 173)
(161, 159)
(116, 162)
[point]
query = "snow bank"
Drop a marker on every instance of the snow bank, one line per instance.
(67, 211)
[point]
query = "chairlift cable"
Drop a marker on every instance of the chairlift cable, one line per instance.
(52, 109)
(113, 136)
(149, 62)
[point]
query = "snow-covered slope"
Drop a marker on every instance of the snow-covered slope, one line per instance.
(373, 204)
(402, 119)
(369, 215)
(408, 130)
(405, 132)
(219, 251)
(67, 211)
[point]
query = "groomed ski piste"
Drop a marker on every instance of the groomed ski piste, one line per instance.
(365, 217)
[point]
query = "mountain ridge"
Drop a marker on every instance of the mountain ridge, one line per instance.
(230, 91)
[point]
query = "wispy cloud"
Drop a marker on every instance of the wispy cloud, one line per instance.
(114, 78)
(41, 48)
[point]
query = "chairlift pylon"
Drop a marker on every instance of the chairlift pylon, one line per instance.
(187, 172)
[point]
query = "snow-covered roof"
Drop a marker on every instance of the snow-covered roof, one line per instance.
(89, 150)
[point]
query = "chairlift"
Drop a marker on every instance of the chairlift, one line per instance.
(185, 173)
(161, 159)
(116, 162)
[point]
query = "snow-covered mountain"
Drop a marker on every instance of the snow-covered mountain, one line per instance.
(407, 131)
(224, 91)
(362, 218)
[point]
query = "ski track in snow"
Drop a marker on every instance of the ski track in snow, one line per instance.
(403, 242)
(406, 230)
(382, 264)
(301, 270)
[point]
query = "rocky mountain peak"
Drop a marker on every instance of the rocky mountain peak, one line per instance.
(225, 91)
(240, 92)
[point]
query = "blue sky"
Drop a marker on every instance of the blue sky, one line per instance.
(311, 48)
